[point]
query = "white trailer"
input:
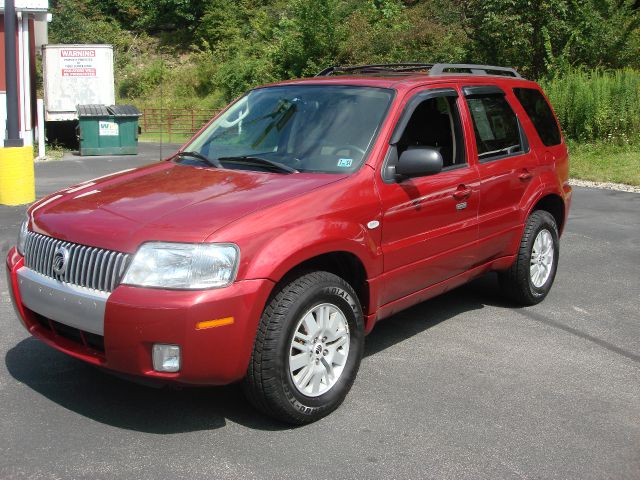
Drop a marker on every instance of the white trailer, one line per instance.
(76, 75)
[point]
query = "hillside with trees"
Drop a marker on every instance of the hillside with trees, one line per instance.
(188, 53)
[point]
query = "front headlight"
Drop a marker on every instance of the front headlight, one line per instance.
(183, 265)
(22, 237)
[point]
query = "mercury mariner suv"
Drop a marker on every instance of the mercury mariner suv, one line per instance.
(304, 213)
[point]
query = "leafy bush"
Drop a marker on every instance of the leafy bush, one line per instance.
(138, 82)
(597, 104)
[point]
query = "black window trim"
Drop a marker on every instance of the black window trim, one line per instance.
(482, 90)
(387, 175)
(488, 90)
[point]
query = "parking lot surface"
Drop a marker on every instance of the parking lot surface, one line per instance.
(462, 386)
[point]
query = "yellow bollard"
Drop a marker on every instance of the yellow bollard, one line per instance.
(17, 184)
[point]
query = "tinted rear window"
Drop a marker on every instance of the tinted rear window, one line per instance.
(540, 114)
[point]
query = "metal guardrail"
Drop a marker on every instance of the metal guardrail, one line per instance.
(174, 122)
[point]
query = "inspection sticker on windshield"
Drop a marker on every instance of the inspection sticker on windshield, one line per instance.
(345, 162)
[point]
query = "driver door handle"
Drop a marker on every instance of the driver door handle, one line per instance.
(462, 192)
(525, 175)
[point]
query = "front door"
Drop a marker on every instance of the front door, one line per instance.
(429, 224)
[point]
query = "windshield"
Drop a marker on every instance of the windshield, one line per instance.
(309, 128)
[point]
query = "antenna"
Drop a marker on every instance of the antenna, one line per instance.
(161, 101)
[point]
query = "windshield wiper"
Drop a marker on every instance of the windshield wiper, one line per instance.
(203, 158)
(260, 161)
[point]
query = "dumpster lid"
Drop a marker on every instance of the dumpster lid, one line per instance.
(123, 111)
(92, 110)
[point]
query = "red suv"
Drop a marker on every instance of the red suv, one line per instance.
(308, 210)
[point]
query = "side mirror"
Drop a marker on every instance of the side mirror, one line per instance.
(419, 162)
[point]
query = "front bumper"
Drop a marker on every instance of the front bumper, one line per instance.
(136, 318)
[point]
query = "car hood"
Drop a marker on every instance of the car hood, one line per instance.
(163, 201)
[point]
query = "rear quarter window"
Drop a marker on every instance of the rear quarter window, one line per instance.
(540, 114)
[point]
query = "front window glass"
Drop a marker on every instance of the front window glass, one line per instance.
(435, 123)
(310, 128)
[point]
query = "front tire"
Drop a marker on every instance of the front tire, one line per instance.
(529, 279)
(307, 349)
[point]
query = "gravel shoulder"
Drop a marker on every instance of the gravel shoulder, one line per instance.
(621, 187)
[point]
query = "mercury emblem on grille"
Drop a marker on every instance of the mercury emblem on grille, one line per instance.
(60, 260)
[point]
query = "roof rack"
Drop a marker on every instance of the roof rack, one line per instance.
(437, 69)
(377, 68)
(445, 69)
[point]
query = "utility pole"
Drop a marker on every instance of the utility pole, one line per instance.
(11, 74)
(17, 185)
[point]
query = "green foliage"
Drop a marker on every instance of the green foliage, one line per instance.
(538, 36)
(306, 38)
(80, 21)
(139, 82)
(597, 104)
(240, 73)
(206, 52)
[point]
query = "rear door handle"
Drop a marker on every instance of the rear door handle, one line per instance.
(462, 192)
(525, 175)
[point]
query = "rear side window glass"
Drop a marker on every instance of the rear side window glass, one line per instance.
(540, 114)
(495, 125)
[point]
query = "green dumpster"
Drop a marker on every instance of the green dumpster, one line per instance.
(108, 130)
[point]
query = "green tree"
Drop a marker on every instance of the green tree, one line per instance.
(537, 35)
(307, 38)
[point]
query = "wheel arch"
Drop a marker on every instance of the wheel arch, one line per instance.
(345, 264)
(554, 204)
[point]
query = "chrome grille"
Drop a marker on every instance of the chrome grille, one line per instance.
(88, 267)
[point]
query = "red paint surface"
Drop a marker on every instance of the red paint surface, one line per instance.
(423, 247)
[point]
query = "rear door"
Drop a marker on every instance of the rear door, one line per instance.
(429, 224)
(506, 165)
(552, 149)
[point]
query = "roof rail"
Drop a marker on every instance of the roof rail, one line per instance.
(375, 68)
(444, 69)
(436, 69)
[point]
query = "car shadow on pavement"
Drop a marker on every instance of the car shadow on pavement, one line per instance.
(117, 402)
(404, 325)
(107, 399)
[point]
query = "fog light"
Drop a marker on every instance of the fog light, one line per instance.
(166, 358)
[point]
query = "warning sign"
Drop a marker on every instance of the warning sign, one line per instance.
(78, 62)
(108, 129)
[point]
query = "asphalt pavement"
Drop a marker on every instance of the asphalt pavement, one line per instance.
(462, 386)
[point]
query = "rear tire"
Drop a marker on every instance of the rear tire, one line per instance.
(289, 349)
(529, 279)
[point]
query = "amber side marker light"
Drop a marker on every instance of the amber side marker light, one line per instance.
(220, 322)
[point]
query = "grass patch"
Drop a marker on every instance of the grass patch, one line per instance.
(52, 152)
(605, 162)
